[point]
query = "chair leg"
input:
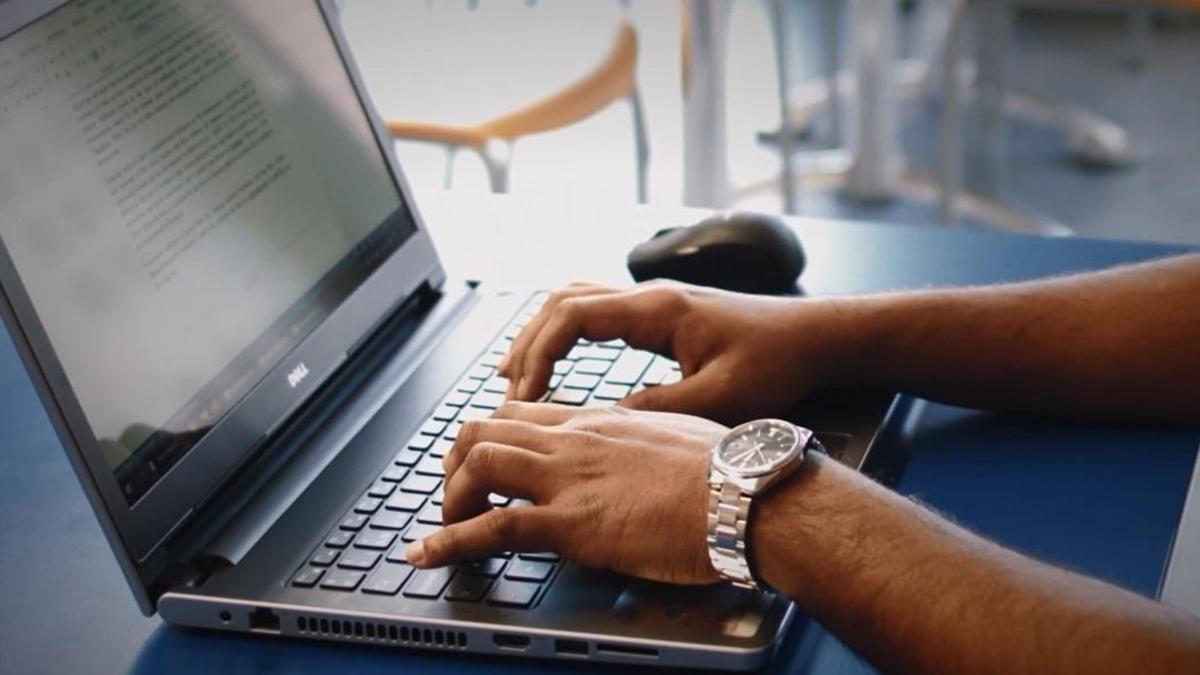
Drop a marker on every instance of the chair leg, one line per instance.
(778, 11)
(641, 143)
(448, 178)
(497, 167)
(950, 159)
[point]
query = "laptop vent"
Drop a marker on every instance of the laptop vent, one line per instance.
(388, 633)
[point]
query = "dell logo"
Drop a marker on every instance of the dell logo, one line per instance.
(297, 375)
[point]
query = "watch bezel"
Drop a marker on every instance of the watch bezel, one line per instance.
(801, 439)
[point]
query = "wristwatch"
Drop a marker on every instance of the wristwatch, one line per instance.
(745, 463)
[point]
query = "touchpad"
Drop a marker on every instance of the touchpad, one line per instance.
(732, 611)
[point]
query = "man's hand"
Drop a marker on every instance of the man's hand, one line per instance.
(610, 487)
(742, 356)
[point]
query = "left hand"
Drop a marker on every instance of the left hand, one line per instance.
(610, 487)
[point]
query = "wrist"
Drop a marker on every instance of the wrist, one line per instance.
(782, 525)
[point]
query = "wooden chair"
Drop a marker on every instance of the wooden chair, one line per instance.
(615, 78)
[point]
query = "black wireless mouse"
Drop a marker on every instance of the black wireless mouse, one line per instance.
(744, 252)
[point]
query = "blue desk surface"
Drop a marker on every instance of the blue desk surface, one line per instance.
(1103, 499)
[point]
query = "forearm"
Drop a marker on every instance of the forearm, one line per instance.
(1121, 343)
(915, 593)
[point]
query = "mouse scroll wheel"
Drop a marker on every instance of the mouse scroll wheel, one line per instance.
(665, 230)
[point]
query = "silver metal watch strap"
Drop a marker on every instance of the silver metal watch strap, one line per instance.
(728, 514)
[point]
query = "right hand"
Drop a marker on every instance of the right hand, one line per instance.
(742, 356)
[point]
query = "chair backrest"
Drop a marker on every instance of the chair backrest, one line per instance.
(613, 79)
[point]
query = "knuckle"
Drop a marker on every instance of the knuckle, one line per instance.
(469, 434)
(557, 297)
(482, 456)
(511, 410)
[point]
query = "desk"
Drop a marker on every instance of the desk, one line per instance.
(1065, 492)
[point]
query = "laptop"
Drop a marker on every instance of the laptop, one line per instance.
(233, 312)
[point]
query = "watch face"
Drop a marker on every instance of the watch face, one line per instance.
(758, 447)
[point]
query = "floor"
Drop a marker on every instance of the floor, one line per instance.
(462, 61)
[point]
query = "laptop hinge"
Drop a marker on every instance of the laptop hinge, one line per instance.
(237, 517)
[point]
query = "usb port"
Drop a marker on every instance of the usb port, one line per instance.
(571, 648)
(609, 649)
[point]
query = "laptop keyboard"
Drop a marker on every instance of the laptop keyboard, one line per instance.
(364, 552)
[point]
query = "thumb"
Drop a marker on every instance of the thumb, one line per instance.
(697, 394)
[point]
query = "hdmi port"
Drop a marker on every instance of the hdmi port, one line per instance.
(516, 643)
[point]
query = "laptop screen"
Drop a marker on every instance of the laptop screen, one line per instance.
(189, 188)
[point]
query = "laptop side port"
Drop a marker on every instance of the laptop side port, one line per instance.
(577, 648)
(263, 620)
(510, 642)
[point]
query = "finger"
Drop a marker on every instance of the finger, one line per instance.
(493, 467)
(640, 316)
(535, 437)
(698, 394)
(545, 414)
(521, 342)
(523, 528)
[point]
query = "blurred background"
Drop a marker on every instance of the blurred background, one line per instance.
(1063, 118)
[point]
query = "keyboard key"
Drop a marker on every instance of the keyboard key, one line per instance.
(354, 522)
(358, 560)
(656, 372)
(307, 577)
(445, 413)
(611, 392)
(387, 580)
(513, 593)
(591, 367)
(324, 557)
(394, 474)
(390, 520)
(440, 448)
(430, 515)
(430, 466)
(367, 505)
(397, 555)
(629, 367)
(496, 385)
(431, 428)
(404, 501)
(480, 373)
(422, 441)
(491, 359)
(428, 583)
(488, 567)
(420, 484)
(342, 580)
(378, 540)
(499, 500)
(469, 386)
(420, 531)
(467, 588)
(555, 382)
(672, 377)
(488, 400)
(612, 344)
(408, 457)
(577, 380)
(529, 570)
(473, 413)
(544, 556)
(339, 539)
(381, 489)
(452, 432)
(595, 352)
(457, 399)
(563, 367)
(569, 396)
(438, 496)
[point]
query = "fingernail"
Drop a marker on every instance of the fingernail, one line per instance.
(414, 553)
